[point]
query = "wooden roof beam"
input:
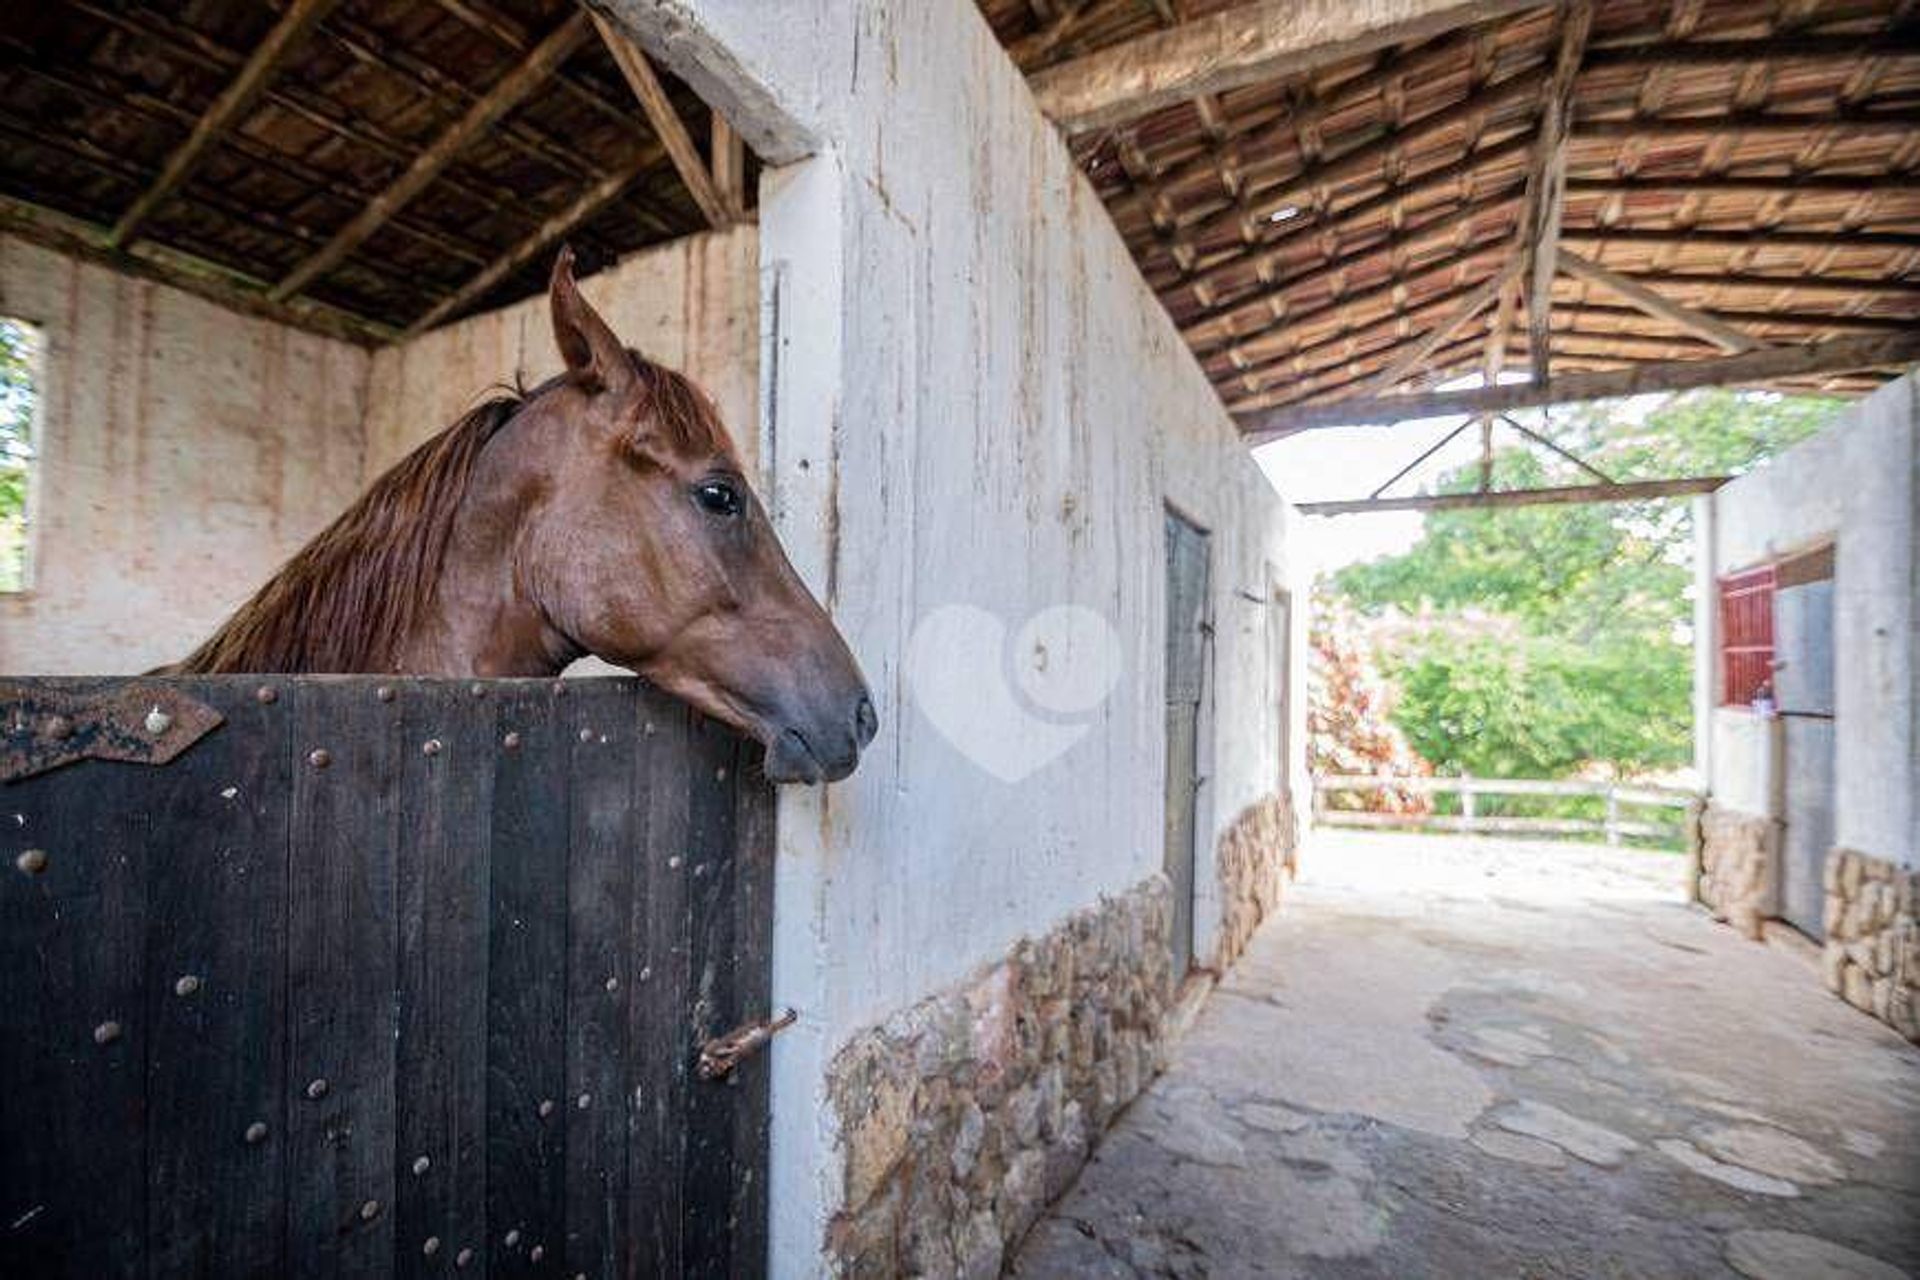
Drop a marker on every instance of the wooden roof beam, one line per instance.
(1629, 491)
(301, 17)
(481, 115)
(1417, 355)
(185, 271)
(1248, 44)
(666, 122)
(1698, 323)
(1546, 186)
(539, 240)
(1839, 355)
(1898, 43)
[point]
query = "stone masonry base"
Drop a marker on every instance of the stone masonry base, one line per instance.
(1872, 956)
(962, 1117)
(1255, 853)
(1738, 882)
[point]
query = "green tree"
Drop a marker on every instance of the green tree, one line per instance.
(17, 354)
(1545, 639)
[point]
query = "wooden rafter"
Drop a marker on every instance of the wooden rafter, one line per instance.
(1248, 44)
(227, 110)
(1839, 355)
(729, 152)
(1721, 335)
(1210, 336)
(666, 122)
(1546, 184)
(1797, 48)
(1628, 491)
(1358, 160)
(1418, 354)
(185, 271)
(1471, 172)
(590, 202)
(484, 112)
(1409, 247)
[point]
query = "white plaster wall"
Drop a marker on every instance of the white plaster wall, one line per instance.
(692, 304)
(971, 398)
(1857, 482)
(185, 451)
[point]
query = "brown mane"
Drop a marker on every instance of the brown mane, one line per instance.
(350, 598)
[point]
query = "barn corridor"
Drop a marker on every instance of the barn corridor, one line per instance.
(1453, 1058)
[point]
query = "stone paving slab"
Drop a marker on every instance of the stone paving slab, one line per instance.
(1448, 1058)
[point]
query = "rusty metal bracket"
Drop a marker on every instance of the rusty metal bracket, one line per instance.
(43, 727)
(720, 1055)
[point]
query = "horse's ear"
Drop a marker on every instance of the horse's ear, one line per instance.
(593, 354)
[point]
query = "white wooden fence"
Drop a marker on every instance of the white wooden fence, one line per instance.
(1612, 828)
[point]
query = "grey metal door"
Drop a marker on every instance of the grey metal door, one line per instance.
(1803, 687)
(1186, 696)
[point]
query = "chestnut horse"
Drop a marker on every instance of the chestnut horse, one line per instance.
(604, 512)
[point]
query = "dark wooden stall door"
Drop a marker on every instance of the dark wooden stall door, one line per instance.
(388, 977)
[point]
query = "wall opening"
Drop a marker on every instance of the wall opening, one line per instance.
(20, 353)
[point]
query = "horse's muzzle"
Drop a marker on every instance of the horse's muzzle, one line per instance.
(822, 753)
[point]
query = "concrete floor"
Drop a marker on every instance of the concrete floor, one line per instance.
(1473, 1059)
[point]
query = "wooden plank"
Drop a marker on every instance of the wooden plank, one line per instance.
(1724, 336)
(662, 993)
(1546, 187)
(446, 761)
(1248, 44)
(717, 1008)
(526, 992)
(1837, 355)
(536, 242)
(342, 934)
(300, 18)
(484, 112)
(216, 993)
(604, 831)
(1631, 491)
(666, 122)
(751, 1085)
(74, 1028)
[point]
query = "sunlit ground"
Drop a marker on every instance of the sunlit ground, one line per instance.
(1455, 866)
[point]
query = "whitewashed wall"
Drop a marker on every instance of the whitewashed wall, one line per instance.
(1857, 483)
(691, 303)
(972, 399)
(184, 452)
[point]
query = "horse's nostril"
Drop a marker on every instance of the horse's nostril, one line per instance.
(865, 722)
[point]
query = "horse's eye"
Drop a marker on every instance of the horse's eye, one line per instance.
(718, 497)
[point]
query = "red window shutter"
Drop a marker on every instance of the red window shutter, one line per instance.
(1746, 635)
